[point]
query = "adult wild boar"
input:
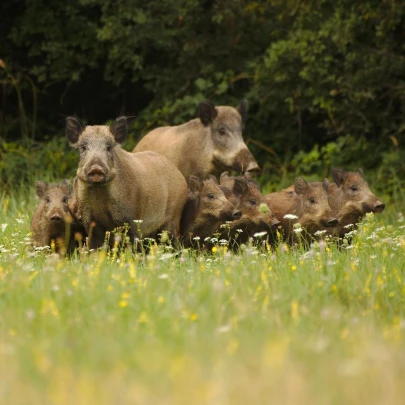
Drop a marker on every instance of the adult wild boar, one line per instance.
(206, 210)
(53, 220)
(208, 144)
(245, 194)
(351, 199)
(308, 202)
(116, 187)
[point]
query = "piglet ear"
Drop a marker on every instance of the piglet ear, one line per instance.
(325, 184)
(66, 184)
(207, 113)
(40, 188)
(242, 110)
(212, 178)
(300, 185)
(73, 130)
(240, 186)
(339, 176)
(195, 184)
(360, 172)
(223, 177)
(119, 129)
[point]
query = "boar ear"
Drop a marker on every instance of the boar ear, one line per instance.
(195, 184)
(67, 185)
(213, 179)
(73, 129)
(223, 177)
(360, 172)
(207, 113)
(300, 185)
(325, 184)
(240, 187)
(242, 110)
(339, 176)
(119, 129)
(40, 188)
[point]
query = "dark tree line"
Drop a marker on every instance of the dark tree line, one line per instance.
(325, 80)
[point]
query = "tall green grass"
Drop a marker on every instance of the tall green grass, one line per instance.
(280, 326)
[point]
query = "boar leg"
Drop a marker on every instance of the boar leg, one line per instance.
(96, 236)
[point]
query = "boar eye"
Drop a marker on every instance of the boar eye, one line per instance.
(109, 148)
(211, 196)
(83, 148)
(354, 188)
(312, 201)
(47, 200)
(253, 202)
(222, 131)
(65, 200)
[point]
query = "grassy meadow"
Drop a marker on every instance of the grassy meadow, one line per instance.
(266, 326)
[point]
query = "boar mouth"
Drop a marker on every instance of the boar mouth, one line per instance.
(96, 175)
(379, 207)
(237, 165)
(230, 215)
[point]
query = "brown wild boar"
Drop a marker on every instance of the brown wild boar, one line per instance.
(245, 194)
(308, 201)
(205, 145)
(351, 199)
(52, 220)
(206, 210)
(116, 187)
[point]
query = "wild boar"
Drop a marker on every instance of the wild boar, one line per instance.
(351, 199)
(245, 194)
(206, 210)
(116, 187)
(308, 202)
(52, 220)
(205, 145)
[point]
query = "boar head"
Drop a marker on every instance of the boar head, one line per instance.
(226, 125)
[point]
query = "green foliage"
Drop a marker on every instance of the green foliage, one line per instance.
(317, 74)
(24, 163)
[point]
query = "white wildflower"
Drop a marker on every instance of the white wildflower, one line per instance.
(224, 328)
(3, 227)
(348, 226)
(163, 276)
(298, 230)
(197, 238)
(259, 234)
(239, 230)
(166, 256)
(223, 242)
(319, 233)
(20, 221)
(138, 221)
(290, 216)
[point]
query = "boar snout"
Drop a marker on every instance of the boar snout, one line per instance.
(56, 218)
(236, 214)
(245, 162)
(253, 168)
(379, 206)
(96, 174)
(330, 223)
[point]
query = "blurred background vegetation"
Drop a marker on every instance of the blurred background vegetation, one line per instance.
(325, 80)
